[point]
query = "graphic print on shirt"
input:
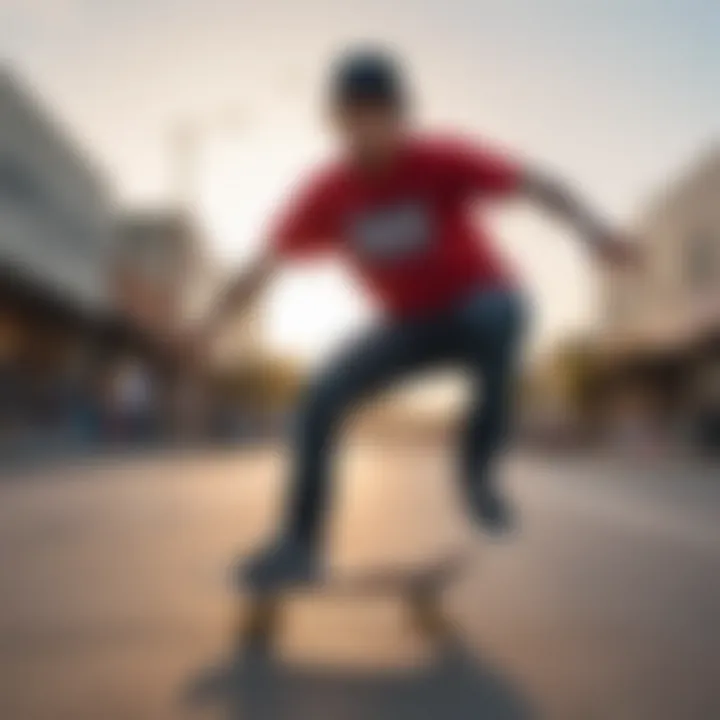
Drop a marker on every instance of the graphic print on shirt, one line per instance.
(391, 233)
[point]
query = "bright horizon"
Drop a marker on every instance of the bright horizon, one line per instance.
(614, 95)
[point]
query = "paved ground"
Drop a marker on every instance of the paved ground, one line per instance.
(114, 604)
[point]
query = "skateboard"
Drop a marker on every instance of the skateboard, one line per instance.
(419, 586)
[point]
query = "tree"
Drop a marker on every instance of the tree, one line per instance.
(570, 374)
(265, 381)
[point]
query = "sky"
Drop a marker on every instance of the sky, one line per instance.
(615, 95)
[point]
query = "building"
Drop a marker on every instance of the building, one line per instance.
(158, 266)
(56, 209)
(661, 323)
(160, 273)
(56, 249)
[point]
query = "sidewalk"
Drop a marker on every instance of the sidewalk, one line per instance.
(37, 454)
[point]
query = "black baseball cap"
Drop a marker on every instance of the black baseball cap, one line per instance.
(368, 77)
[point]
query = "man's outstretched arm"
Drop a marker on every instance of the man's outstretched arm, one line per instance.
(559, 200)
(480, 170)
(302, 229)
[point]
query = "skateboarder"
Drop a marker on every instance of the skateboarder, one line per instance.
(397, 207)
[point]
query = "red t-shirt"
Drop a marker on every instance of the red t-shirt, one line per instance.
(410, 233)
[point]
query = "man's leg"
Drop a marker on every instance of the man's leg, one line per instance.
(365, 367)
(491, 325)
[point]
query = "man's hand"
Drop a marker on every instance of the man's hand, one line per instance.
(198, 347)
(192, 346)
(241, 291)
(557, 199)
(618, 251)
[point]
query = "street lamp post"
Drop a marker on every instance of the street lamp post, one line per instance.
(188, 139)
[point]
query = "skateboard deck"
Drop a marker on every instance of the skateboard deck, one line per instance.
(420, 587)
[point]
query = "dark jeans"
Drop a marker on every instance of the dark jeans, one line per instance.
(481, 335)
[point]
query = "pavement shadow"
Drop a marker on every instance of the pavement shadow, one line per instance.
(254, 685)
